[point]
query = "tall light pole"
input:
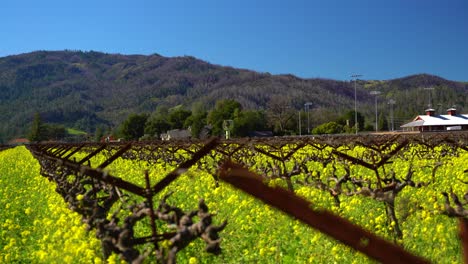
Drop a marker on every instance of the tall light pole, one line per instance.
(307, 108)
(300, 122)
(355, 76)
(391, 102)
(429, 105)
(376, 93)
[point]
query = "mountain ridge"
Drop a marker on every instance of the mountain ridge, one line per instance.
(85, 89)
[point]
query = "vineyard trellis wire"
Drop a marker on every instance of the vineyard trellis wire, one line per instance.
(284, 159)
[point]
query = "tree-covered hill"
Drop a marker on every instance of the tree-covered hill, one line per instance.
(85, 89)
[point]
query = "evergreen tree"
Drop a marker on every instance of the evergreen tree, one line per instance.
(383, 123)
(36, 133)
(98, 134)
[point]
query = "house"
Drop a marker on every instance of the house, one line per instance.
(109, 139)
(430, 122)
(18, 141)
(176, 134)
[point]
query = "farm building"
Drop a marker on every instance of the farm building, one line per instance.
(430, 122)
(176, 134)
(18, 141)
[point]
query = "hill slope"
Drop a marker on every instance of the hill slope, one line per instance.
(83, 89)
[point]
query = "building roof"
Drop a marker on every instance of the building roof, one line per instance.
(18, 141)
(438, 120)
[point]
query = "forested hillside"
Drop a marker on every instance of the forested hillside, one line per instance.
(84, 90)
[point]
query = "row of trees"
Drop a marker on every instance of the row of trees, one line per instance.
(197, 119)
(346, 124)
(43, 131)
(279, 119)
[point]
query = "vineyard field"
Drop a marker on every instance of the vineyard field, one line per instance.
(410, 192)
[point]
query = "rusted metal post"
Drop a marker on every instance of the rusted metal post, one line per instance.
(149, 199)
(464, 237)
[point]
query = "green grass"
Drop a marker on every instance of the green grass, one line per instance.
(75, 132)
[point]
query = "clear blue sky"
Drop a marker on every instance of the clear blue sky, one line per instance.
(329, 39)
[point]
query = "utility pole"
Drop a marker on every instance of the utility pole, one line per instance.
(391, 102)
(355, 76)
(429, 105)
(307, 108)
(376, 93)
(300, 134)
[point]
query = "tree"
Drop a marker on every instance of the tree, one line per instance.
(134, 126)
(197, 120)
(54, 131)
(279, 113)
(98, 134)
(37, 132)
(223, 110)
(348, 119)
(157, 123)
(247, 121)
(328, 128)
(177, 118)
(383, 124)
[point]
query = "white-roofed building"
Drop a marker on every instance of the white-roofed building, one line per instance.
(432, 122)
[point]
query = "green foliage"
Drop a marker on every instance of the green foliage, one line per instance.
(177, 118)
(75, 132)
(196, 122)
(223, 110)
(55, 132)
(98, 134)
(134, 126)
(37, 132)
(164, 119)
(349, 118)
(382, 122)
(328, 128)
(41, 131)
(158, 122)
(248, 121)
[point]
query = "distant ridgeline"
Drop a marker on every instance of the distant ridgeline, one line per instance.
(87, 90)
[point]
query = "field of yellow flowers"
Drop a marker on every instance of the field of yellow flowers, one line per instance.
(38, 227)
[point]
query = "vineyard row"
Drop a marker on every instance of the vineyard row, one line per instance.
(332, 164)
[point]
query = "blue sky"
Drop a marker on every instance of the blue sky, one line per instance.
(327, 39)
